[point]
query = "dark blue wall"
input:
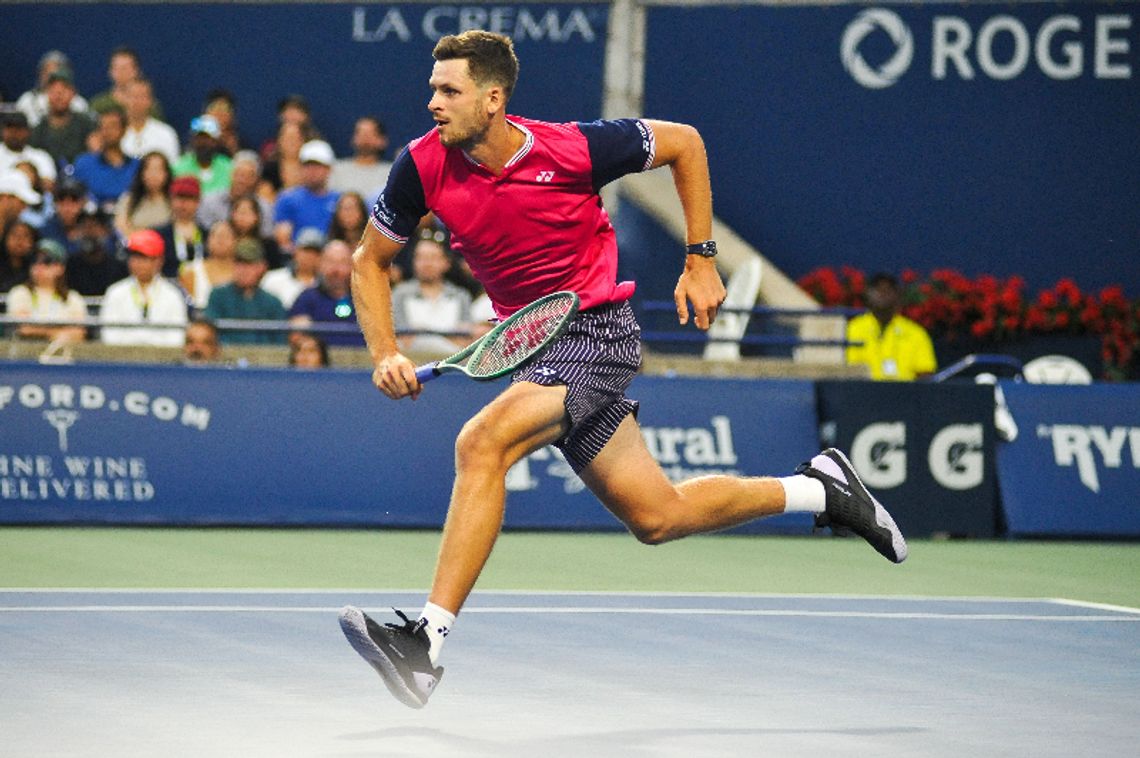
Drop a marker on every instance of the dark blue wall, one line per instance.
(1030, 175)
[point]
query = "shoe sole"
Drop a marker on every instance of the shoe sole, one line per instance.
(882, 516)
(356, 631)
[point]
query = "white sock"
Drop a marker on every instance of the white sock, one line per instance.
(439, 623)
(802, 493)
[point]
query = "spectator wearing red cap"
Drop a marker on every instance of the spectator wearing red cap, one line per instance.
(143, 298)
(184, 237)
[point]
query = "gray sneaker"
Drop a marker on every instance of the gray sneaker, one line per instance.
(399, 653)
(851, 506)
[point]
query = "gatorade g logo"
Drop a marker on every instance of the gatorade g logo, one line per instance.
(878, 453)
(865, 24)
(955, 456)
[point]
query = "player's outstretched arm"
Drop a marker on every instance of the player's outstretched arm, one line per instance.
(680, 147)
(394, 374)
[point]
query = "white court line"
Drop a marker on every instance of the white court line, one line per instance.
(569, 593)
(538, 610)
(532, 593)
(1094, 606)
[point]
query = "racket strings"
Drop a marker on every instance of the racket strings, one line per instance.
(522, 338)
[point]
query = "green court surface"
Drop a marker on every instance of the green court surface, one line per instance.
(1095, 572)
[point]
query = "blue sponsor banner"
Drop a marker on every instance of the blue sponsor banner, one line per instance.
(692, 427)
(347, 59)
(994, 137)
(174, 445)
(1074, 468)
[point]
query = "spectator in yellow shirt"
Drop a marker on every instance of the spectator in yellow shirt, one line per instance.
(893, 347)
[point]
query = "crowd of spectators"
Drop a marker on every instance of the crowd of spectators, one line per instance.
(101, 198)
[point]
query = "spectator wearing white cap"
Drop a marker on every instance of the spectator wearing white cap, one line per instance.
(143, 298)
(311, 204)
(14, 148)
(34, 102)
(16, 194)
(204, 160)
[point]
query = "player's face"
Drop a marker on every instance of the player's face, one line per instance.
(457, 104)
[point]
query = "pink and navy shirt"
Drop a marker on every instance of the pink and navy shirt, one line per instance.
(536, 228)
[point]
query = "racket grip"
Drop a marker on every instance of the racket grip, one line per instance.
(427, 372)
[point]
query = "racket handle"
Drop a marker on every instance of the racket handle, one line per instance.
(427, 372)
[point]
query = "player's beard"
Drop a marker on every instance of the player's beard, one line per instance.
(470, 134)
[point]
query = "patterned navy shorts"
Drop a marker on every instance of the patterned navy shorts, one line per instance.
(596, 358)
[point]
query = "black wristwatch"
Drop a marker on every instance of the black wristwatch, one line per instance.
(705, 249)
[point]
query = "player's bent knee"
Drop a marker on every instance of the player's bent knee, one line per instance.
(649, 529)
(477, 444)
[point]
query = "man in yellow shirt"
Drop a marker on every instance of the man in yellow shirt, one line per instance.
(893, 346)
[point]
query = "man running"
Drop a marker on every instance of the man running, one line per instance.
(520, 198)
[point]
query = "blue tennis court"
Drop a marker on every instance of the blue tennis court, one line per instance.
(133, 673)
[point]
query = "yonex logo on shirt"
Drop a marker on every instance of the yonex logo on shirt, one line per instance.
(545, 176)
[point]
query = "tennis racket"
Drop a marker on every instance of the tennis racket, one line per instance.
(511, 344)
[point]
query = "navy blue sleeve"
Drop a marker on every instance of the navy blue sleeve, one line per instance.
(401, 205)
(619, 147)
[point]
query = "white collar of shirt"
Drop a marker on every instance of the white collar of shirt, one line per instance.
(527, 144)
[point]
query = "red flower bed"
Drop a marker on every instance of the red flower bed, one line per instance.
(952, 306)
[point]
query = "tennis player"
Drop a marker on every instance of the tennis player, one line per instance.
(520, 198)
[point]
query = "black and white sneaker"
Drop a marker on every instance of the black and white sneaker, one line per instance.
(399, 653)
(851, 506)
